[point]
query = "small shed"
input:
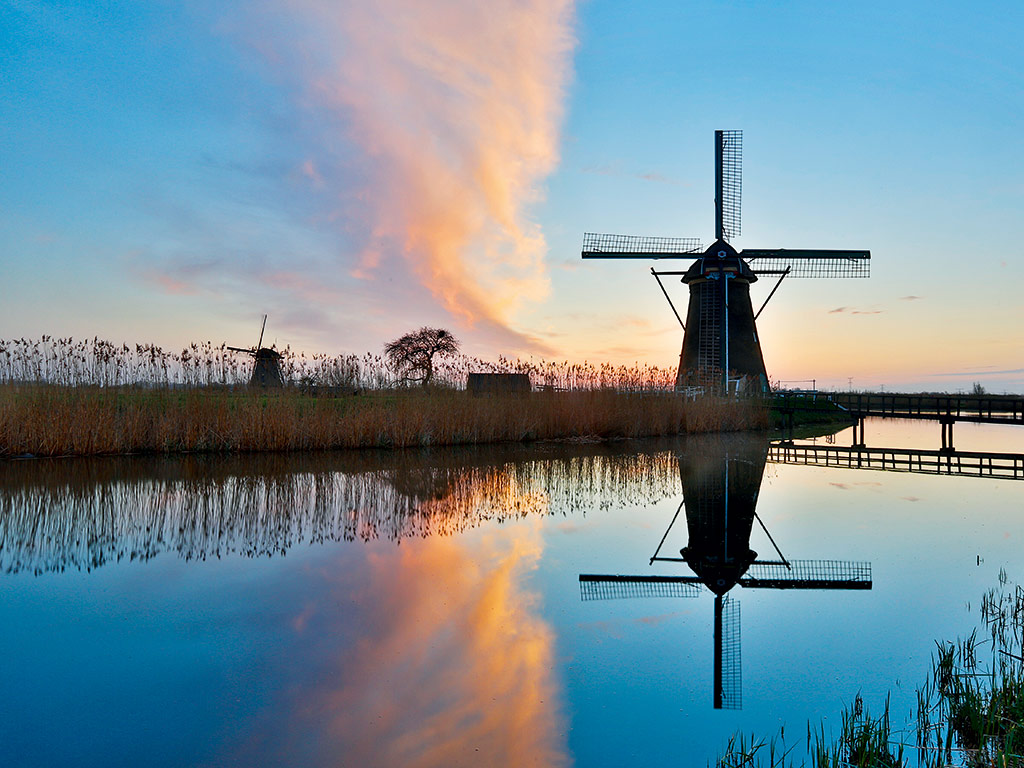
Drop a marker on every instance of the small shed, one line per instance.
(498, 384)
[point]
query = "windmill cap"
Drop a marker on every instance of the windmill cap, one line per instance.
(719, 257)
(716, 575)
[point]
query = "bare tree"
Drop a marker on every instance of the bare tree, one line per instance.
(412, 355)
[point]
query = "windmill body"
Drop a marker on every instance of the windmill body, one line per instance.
(720, 485)
(720, 330)
(721, 349)
(266, 370)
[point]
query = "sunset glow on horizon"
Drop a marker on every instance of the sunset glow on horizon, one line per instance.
(172, 172)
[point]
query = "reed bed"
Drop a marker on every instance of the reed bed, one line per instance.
(44, 420)
(99, 363)
(59, 397)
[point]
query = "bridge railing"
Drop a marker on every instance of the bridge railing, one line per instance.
(1008, 408)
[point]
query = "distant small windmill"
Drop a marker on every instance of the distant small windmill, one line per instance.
(720, 342)
(266, 371)
(721, 478)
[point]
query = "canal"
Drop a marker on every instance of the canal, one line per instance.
(427, 608)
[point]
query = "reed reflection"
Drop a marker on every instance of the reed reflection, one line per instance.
(83, 514)
(721, 477)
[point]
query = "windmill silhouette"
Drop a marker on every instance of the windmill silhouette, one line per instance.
(266, 371)
(720, 342)
(721, 476)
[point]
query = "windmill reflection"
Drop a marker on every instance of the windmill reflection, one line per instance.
(721, 477)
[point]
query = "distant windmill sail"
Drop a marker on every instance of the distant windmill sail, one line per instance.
(721, 348)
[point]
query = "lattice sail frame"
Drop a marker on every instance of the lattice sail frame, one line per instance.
(596, 245)
(798, 263)
(731, 183)
(809, 574)
(615, 587)
(732, 662)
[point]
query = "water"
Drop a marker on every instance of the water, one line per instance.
(425, 609)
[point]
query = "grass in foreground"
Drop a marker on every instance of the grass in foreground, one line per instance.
(50, 420)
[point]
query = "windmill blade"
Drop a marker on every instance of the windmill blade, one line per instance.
(809, 574)
(774, 261)
(596, 246)
(728, 661)
(260, 342)
(614, 587)
(728, 183)
(249, 350)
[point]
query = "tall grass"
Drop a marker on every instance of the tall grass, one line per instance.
(54, 421)
(99, 363)
(60, 397)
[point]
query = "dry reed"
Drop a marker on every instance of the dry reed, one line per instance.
(57, 421)
(60, 397)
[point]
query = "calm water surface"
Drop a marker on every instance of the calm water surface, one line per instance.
(426, 609)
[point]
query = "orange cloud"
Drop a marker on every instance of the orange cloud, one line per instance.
(454, 665)
(456, 104)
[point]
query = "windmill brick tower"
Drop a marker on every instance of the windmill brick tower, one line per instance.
(721, 349)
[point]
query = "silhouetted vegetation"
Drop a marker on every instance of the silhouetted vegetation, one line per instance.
(412, 355)
(60, 397)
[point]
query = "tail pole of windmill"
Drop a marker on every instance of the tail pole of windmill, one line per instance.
(721, 348)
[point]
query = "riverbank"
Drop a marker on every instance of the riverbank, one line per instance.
(47, 420)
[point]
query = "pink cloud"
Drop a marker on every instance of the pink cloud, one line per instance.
(455, 106)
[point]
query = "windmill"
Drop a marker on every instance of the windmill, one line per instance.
(266, 372)
(721, 477)
(720, 342)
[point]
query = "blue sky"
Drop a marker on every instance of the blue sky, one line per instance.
(171, 171)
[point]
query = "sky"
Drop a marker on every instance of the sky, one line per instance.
(170, 172)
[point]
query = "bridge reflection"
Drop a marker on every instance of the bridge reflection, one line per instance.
(1006, 466)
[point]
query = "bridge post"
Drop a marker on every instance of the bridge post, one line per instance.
(947, 433)
(858, 425)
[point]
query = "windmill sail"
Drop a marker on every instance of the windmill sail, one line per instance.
(808, 263)
(728, 183)
(612, 587)
(808, 574)
(607, 246)
(728, 662)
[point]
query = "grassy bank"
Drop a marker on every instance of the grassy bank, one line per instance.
(52, 420)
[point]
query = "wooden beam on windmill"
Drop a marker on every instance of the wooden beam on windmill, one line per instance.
(721, 349)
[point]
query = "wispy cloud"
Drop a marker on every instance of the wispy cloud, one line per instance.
(454, 107)
(855, 311)
(616, 170)
(911, 298)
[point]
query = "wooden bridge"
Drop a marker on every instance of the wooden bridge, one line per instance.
(985, 409)
(945, 409)
(1007, 466)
